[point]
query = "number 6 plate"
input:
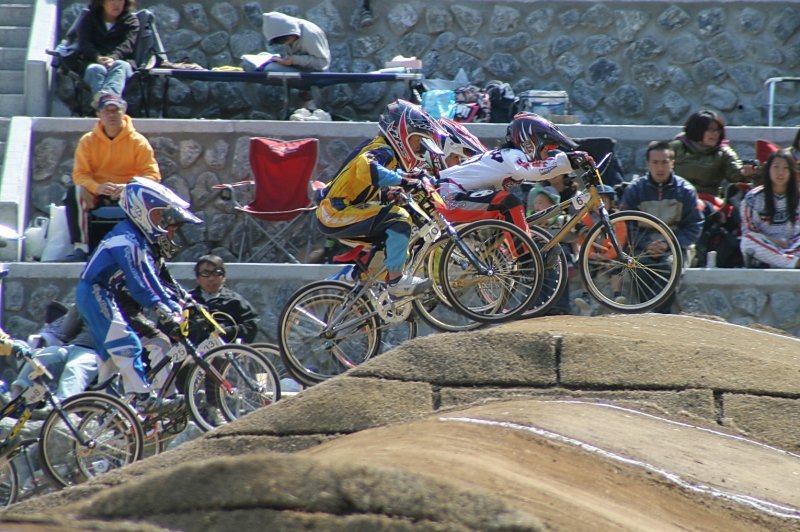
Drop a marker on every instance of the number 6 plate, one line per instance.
(580, 201)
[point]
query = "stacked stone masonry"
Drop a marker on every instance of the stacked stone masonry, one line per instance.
(621, 62)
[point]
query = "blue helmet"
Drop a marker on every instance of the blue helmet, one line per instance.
(152, 208)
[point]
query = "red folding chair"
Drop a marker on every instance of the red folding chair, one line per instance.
(282, 171)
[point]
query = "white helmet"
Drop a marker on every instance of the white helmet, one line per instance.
(459, 141)
(142, 198)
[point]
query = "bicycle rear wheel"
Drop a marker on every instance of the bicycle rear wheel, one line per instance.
(9, 483)
(433, 306)
(313, 346)
(635, 281)
(112, 431)
(514, 271)
(555, 278)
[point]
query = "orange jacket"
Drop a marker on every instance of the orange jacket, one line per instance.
(607, 247)
(99, 159)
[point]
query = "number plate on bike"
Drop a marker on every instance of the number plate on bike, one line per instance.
(209, 343)
(35, 393)
(580, 201)
(177, 353)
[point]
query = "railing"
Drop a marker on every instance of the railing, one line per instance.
(770, 84)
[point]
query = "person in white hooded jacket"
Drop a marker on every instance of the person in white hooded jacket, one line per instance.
(306, 45)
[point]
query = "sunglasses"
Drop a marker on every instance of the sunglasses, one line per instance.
(211, 273)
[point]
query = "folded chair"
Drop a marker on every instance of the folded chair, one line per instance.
(282, 171)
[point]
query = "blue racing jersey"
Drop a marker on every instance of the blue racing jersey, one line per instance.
(123, 257)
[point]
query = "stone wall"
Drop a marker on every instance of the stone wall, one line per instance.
(622, 62)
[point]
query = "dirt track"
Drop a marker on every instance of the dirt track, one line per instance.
(566, 460)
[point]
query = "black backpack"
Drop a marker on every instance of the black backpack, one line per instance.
(502, 97)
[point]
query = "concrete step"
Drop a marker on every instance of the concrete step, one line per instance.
(15, 36)
(12, 81)
(12, 58)
(12, 105)
(16, 14)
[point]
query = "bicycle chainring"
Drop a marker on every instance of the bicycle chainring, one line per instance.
(389, 310)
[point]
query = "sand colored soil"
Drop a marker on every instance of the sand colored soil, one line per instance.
(541, 455)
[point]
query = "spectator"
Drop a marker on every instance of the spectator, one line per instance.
(607, 252)
(770, 215)
(541, 198)
(233, 312)
(68, 352)
(351, 208)
(126, 255)
(305, 43)
(703, 156)
(106, 41)
(106, 158)
(794, 149)
(672, 199)
(567, 188)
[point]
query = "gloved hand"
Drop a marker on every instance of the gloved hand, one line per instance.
(580, 159)
(411, 183)
(392, 194)
(168, 315)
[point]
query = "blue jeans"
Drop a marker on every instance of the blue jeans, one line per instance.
(112, 80)
(73, 366)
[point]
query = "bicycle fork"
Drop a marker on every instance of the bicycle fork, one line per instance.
(472, 258)
(612, 235)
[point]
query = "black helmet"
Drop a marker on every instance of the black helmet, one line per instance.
(530, 133)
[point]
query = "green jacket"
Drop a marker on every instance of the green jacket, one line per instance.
(706, 168)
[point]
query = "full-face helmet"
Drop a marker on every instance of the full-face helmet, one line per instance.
(153, 208)
(459, 141)
(403, 120)
(530, 133)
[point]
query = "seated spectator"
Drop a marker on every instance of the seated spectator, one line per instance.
(770, 215)
(106, 159)
(68, 352)
(703, 156)
(541, 198)
(608, 195)
(233, 312)
(305, 44)
(671, 198)
(106, 41)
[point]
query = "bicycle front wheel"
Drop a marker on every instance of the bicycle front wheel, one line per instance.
(255, 381)
(323, 332)
(433, 306)
(555, 277)
(9, 483)
(512, 271)
(112, 437)
(634, 281)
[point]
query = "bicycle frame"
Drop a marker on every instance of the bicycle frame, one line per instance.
(585, 206)
(429, 226)
(26, 402)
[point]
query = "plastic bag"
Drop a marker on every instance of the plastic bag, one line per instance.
(439, 103)
(58, 243)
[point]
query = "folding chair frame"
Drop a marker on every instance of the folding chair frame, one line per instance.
(229, 194)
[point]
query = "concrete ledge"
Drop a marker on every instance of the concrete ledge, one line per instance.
(15, 184)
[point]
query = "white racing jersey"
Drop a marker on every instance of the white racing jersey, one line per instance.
(500, 169)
